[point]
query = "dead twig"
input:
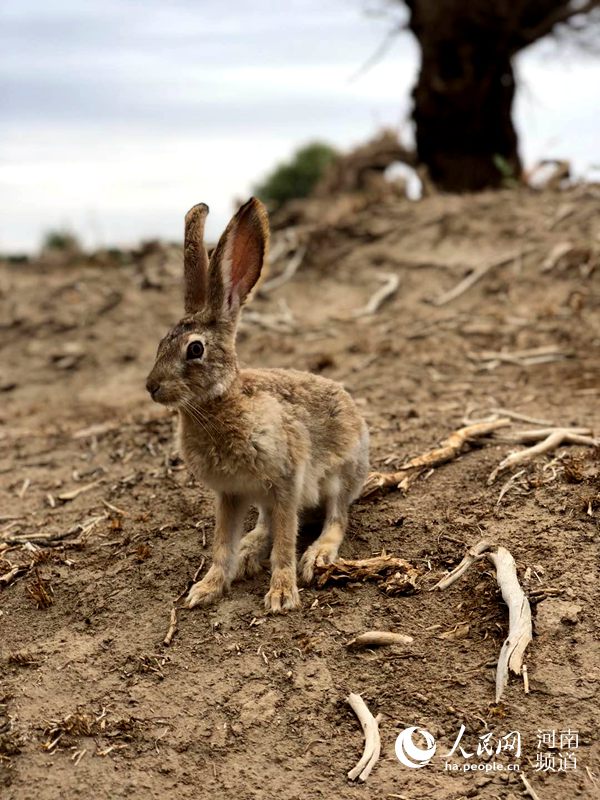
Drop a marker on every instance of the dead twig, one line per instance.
(370, 727)
(12, 575)
(520, 632)
(378, 639)
(172, 628)
(476, 275)
(473, 554)
(551, 439)
(25, 485)
(389, 288)
(520, 358)
(450, 449)
(66, 496)
(516, 415)
(506, 486)
(394, 575)
(288, 273)
(529, 788)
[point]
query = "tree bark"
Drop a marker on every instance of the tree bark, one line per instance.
(463, 98)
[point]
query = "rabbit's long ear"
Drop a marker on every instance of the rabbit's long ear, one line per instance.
(238, 258)
(195, 259)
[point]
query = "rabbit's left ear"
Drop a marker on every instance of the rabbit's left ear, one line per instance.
(237, 261)
(195, 259)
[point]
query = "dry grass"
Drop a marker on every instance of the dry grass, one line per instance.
(40, 590)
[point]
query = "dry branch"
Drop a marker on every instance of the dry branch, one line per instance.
(473, 554)
(516, 415)
(529, 788)
(476, 275)
(172, 628)
(370, 726)
(520, 631)
(12, 575)
(521, 358)
(394, 575)
(288, 273)
(450, 449)
(551, 439)
(378, 639)
(389, 288)
(66, 496)
(519, 611)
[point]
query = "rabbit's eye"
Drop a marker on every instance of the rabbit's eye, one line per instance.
(194, 350)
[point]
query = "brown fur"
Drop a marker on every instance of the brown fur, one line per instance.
(281, 440)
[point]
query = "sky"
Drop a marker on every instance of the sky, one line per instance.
(116, 116)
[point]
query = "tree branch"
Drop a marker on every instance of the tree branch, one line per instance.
(528, 36)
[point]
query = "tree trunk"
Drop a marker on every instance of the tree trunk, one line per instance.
(463, 100)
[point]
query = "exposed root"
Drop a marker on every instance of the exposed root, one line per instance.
(520, 630)
(12, 575)
(378, 639)
(394, 575)
(288, 273)
(172, 628)
(473, 554)
(476, 275)
(490, 359)
(389, 288)
(370, 726)
(551, 438)
(450, 449)
(528, 787)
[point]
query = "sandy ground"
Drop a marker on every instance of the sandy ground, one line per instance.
(251, 706)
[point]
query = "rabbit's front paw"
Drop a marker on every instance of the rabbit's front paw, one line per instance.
(208, 590)
(317, 555)
(283, 593)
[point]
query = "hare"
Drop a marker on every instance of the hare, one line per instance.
(281, 440)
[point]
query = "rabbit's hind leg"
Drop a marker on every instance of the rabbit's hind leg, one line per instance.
(255, 547)
(324, 550)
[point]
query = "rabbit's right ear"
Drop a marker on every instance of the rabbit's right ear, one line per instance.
(237, 260)
(195, 259)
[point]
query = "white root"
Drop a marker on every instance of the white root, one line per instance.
(378, 639)
(537, 434)
(370, 726)
(66, 496)
(516, 415)
(551, 439)
(473, 554)
(390, 287)
(520, 631)
(288, 273)
(528, 787)
(476, 275)
(522, 358)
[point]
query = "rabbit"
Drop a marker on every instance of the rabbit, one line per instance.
(281, 440)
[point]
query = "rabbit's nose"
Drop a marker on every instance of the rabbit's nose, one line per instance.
(152, 386)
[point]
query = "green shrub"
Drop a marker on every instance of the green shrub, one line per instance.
(62, 240)
(297, 177)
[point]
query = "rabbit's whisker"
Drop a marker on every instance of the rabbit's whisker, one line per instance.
(196, 414)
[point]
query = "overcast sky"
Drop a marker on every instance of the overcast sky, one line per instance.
(116, 116)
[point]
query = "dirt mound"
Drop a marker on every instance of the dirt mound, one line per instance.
(251, 706)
